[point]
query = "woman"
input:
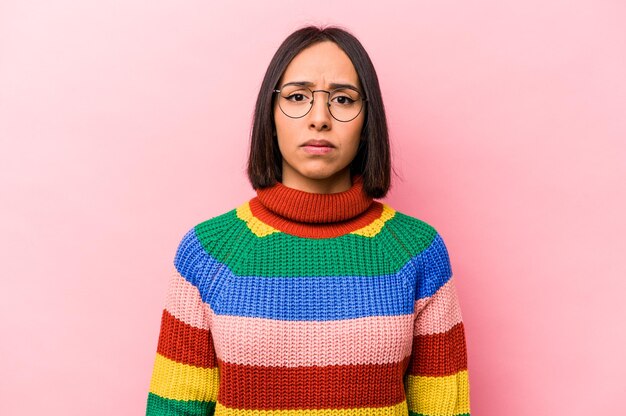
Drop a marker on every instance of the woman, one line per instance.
(312, 296)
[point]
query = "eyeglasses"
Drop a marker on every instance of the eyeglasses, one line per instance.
(344, 104)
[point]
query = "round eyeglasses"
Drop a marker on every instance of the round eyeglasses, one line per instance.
(344, 104)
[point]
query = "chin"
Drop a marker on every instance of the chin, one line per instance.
(317, 170)
(320, 175)
(317, 175)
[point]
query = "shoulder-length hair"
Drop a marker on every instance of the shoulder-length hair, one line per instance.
(373, 160)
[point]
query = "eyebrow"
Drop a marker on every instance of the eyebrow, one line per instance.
(332, 85)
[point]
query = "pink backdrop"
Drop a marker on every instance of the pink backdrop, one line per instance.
(124, 123)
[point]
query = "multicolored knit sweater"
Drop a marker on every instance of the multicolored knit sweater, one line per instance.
(298, 303)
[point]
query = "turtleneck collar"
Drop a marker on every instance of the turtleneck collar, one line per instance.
(302, 206)
(315, 215)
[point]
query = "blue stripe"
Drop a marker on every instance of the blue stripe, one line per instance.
(433, 268)
(311, 298)
(316, 298)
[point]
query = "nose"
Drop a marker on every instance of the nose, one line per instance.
(319, 116)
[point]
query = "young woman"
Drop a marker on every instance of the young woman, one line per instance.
(312, 298)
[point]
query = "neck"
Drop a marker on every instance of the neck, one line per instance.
(339, 182)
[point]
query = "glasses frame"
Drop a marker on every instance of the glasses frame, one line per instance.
(328, 104)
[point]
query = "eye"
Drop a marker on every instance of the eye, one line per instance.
(296, 95)
(343, 100)
(344, 97)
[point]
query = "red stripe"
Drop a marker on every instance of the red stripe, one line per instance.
(328, 387)
(313, 230)
(314, 207)
(439, 354)
(184, 343)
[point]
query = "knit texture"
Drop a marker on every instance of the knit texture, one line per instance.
(297, 303)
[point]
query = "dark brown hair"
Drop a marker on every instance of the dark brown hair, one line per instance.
(373, 160)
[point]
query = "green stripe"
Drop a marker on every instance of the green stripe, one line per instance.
(158, 406)
(229, 241)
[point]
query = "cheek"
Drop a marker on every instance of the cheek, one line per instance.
(283, 127)
(353, 132)
(277, 121)
(286, 135)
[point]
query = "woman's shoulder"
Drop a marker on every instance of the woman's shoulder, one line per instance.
(408, 225)
(212, 228)
(424, 242)
(200, 240)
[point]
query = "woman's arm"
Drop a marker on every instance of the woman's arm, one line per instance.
(185, 378)
(437, 378)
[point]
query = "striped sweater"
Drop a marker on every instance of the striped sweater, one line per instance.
(297, 303)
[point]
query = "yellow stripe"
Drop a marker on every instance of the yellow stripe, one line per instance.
(260, 229)
(398, 410)
(439, 396)
(374, 228)
(172, 380)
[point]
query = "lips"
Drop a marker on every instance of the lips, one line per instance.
(318, 143)
(318, 147)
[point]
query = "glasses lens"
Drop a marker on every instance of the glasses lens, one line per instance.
(295, 101)
(345, 104)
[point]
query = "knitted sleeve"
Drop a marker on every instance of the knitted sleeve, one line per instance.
(185, 377)
(437, 380)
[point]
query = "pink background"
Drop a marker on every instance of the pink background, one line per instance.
(124, 123)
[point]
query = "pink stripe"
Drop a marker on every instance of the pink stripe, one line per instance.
(184, 302)
(276, 343)
(438, 313)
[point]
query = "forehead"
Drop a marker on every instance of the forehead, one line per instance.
(322, 63)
